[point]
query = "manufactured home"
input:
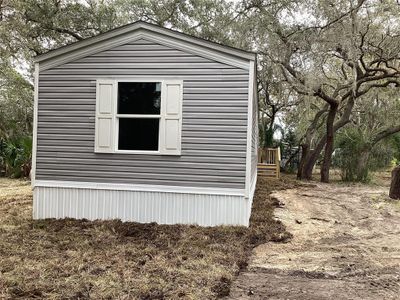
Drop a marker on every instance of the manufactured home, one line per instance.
(145, 124)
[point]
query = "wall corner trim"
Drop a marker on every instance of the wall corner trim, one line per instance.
(249, 128)
(35, 123)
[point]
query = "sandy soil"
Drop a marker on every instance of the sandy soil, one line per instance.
(346, 245)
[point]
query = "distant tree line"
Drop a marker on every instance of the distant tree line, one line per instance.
(328, 71)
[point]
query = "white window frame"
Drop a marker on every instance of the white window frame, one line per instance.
(170, 124)
(117, 116)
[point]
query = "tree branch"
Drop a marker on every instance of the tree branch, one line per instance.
(359, 4)
(385, 133)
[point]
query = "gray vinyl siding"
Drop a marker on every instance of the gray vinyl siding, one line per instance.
(213, 125)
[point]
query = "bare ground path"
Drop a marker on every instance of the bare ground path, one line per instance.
(346, 245)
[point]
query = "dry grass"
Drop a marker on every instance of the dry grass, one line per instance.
(78, 259)
(378, 178)
(382, 178)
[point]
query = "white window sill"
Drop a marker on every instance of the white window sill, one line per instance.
(137, 152)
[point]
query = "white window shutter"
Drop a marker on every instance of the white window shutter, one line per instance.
(171, 117)
(105, 99)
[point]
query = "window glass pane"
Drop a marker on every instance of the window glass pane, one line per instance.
(139, 98)
(138, 134)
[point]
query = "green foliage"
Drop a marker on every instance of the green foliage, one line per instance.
(31, 27)
(364, 146)
(355, 160)
(16, 103)
(15, 156)
(267, 137)
(289, 151)
(395, 143)
(348, 148)
(267, 132)
(16, 112)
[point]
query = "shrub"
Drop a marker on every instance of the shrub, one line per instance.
(16, 156)
(355, 159)
(395, 142)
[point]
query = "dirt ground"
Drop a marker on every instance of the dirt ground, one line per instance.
(345, 245)
(341, 242)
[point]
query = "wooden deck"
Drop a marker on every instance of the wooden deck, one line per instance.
(269, 162)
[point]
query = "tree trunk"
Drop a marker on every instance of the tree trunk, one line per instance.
(361, 171)
(312, 157)
(330, 132)
(304, 154)
(395, 185)
(309, 161)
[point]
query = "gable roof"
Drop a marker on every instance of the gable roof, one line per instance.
(141, 29)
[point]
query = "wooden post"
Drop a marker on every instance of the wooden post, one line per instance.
(278, 162)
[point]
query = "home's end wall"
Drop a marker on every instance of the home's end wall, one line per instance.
(214, 126)
(69, 200)
(204, 185)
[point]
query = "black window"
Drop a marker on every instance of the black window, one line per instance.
(142, 99)
(139, 98)
(138, 134)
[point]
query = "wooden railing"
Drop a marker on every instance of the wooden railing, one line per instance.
(269, 162)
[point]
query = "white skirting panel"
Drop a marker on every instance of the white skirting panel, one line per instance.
(140, 206)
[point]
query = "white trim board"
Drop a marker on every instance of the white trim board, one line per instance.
(253, 185)
(73, 52)
(249, 128)
(138, 187)
(35, 123)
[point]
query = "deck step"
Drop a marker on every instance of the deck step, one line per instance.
(268, 170)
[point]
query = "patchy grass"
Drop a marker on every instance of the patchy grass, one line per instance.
(377, 178)
(78, 259)
(382, 178)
